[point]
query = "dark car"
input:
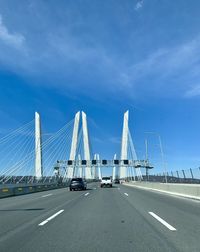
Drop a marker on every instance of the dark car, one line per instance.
(77, 184)
(116, 181)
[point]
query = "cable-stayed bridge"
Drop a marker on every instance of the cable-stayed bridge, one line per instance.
(29, 155)
(136, 215)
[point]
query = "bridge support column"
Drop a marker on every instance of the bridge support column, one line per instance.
(72, 156)
(124, 146)
(99, 168)
(80, 169)
(38, 149)
(114, 169)
(86, 147)
(94, 169)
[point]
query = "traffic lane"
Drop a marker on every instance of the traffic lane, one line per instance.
(15, 239)
(28, 198)
(20, 199)
(170, 203)
(102, 221)
(13, 215)
(181, 213)
(190, 205)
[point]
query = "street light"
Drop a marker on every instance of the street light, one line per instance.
(161, 152)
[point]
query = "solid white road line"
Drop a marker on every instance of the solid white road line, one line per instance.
(50, 218)
(86, 194)
(47, 195)
(162, 221)
(126, 194)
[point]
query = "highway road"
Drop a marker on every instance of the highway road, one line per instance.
(99, 219)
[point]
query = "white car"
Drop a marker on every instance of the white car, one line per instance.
(106, 181)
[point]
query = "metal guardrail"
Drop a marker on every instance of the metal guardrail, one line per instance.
(191, 176)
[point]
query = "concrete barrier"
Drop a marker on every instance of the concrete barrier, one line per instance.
(14, 190)
(6, 192)
(20, 190)
(31, 189)
(184, 190)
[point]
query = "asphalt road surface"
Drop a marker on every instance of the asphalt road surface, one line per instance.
(99, 219)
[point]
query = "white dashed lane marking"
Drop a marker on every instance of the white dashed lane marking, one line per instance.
(50, 218)
(47, 195)
(162, 221)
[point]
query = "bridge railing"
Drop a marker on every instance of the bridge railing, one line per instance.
(191, 176)
(17, 186)
(27, 180)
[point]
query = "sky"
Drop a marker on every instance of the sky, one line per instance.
(105, 57)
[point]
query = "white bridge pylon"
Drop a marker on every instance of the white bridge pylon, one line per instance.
(87, 172)
(38, 149)
(125, 143)
(124, 146)
(80, 163)
(86, 147)
(72, 156)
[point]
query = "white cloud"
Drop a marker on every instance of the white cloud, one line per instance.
(65, 56)
(139, 5)
(166, 61)
(168, 69)
(13, 39)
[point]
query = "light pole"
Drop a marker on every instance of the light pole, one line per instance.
(146, 157)
(161, 152)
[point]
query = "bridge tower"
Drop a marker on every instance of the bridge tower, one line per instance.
(38, 149)
(86, 147)
(74, 144)
(124, 146)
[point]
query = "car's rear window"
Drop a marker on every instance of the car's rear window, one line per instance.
(76, 179)
(106, 178)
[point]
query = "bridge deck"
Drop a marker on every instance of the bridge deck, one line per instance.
(99, 219)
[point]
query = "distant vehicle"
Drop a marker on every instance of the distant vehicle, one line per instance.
(106, 181)
(78, 184)
(116, 181)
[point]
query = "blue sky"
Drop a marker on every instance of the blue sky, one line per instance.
(104, 57)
